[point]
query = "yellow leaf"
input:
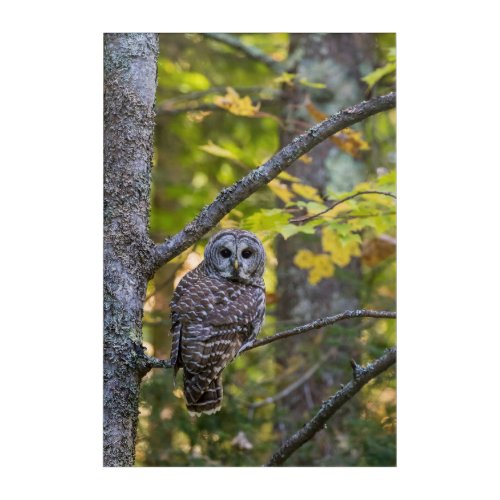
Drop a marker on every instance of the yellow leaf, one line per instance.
(281, 190)
(320, 265)
(241, 106)
(363, 186)
(340, 252)
(278, 56)
(197, 116)
(287, 177)
(215, 150)
(306, 159)
(313, 277)
(286, 78)
(307, 192)
(304, 259)
(334, 212)
(329, 240)
(322, 268)
(386, 201)
(350, 141)
(178, 393)
(318, 115)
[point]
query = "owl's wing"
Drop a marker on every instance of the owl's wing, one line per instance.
(211, 344)
(179, 306)
(215, 318)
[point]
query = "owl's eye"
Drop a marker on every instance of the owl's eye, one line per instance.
(225, 253)
(246, 254)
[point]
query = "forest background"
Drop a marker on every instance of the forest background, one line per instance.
(52, 206)
(221, 111)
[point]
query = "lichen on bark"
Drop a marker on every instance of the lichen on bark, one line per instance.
(129, 93)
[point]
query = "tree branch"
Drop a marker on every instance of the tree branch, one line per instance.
(294, 385)
(194, 96)
(148, 362)
(361, 376)
(319, 323)
(230, 197)
(164, 110)
(185, 103)
(249, 50)
(335, 204)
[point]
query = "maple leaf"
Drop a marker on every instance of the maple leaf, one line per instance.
(307, 192)
(232, 102)
(348, 140)
(319, 265)
(341, 249)
(281, 190)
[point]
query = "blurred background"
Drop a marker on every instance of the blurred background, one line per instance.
(222, 111)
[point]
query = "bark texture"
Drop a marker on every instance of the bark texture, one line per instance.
(130, 62)
(332, 59)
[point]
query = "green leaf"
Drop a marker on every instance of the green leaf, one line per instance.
(372, 78)
(341, 229)
(266, 220)
(349, 237)
(311, 206)
(314, 85)
(293, 229)
(388, 179)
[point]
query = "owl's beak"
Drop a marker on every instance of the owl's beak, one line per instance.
(236, 264)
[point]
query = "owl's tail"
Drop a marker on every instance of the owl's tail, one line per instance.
(207, 401)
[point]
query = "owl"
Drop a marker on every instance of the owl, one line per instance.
(217, 309)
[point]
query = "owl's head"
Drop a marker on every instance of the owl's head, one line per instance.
(236, 255)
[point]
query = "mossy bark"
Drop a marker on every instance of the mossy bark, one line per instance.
(130, 62)
(332, 59)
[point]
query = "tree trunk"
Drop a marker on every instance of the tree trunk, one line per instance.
(130, 62)
(332, 59)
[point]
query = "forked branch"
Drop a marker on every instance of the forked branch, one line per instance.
(361, 376)
(149, 362)
(337, 203)
(319, 323)
(241, 190)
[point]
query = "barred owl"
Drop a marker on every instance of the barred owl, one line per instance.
(217, 308)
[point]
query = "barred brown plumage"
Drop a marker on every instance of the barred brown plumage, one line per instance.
(216, 309)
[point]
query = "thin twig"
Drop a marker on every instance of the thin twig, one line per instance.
(230, 197)
(337, 203)
(314, 325)
(361, 376)
(364, 216)
(194, 96)
(163, 110)
(170, 106)
(249, 50)
(319, 323)
(295, 385)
